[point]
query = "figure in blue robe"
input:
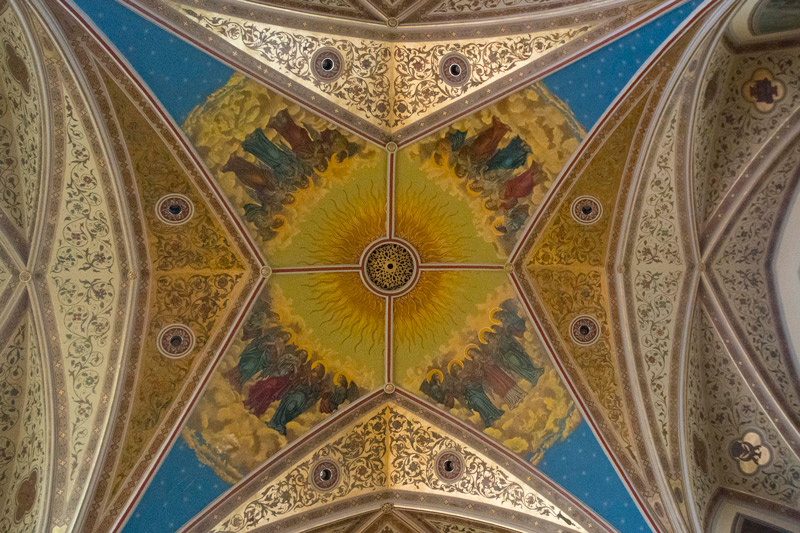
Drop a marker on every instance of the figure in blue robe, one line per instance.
(478, 401)
(513, 155)
(258, 357)
(283, 162)
(298, 400)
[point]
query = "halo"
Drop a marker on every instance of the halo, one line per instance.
(435, 371)
(494, 312)
(454, 362)
(483, 332)
(495, 229)
(469, 347)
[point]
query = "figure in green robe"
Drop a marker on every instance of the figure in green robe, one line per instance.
(258, 358)
(478, 401)
(468, 390)
(510, 354)
(303, 394)
(286, 166)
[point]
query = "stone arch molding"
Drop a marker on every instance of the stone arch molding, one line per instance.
(681, 274)
(26, 404)
(76, 278)
(696, 274)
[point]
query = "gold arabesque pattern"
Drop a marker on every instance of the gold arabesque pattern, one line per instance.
(382, 451)
(205, 274)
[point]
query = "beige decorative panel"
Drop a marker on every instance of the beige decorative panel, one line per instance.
(389, 448)
(197, 274)
(702, 472)
(573, 270)
(79, 283)
(741, 268)
(472, 10)
(351, 524)
(23, 432)
(657, 269)
(446, 6)
(393, 84)
(21, 125)
(7, 274)
(742, 128)
(389, 84)
(565, 266)
(708, 107)
(452, 524)
(84, 280)
(732, 412)
(347, 9)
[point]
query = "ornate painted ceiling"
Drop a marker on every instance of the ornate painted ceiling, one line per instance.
(399, 265)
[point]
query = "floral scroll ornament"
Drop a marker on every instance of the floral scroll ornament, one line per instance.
(750, 453)
(763, 91)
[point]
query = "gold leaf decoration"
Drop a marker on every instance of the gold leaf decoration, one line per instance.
(389, 448)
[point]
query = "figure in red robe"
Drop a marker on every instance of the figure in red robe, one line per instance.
(297, 136)
(522, 186)
(265, 391)
(484, 145)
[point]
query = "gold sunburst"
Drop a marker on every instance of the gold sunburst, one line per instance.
(344, 226)
(432, 227)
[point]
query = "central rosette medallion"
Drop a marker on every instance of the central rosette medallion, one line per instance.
(389, 267)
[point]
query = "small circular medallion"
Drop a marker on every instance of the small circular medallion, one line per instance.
(327, 64)
(324, 474)
(449, 466)
(389, 388)
(584, 330)
(455, 69)
(390, 267)
(174, 209)
(25, 276)
(175, 341)
(586, 210)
